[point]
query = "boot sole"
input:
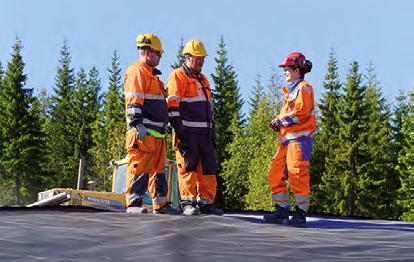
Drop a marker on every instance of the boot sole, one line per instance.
(284, 221)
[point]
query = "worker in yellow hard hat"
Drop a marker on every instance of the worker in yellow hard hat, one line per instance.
(191, 115)
(147, 116)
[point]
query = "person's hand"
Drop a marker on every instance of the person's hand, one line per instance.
(274, 125)
(179, 132)
(141, 131)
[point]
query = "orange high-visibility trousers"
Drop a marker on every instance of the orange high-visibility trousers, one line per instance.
(145, 170)
(199, 184)
(291, 163)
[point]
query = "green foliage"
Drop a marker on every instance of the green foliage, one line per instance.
(325, 139)
(83, 114)
(376, 167)
(256, 96)
(109, 128)
(358, 162)
(262, 142)
(1, 74)
(60, 143)
(263, 145)
(405, 120)
(342, 169)
(180, 57)
(246, 172)
(227, 105)
(235, 169)
(74, 109)
(22, 139)
(226, 101)
(1, 138)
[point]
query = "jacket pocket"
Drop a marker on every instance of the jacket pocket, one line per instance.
(147, 145)
(131, 137)
(133, 143)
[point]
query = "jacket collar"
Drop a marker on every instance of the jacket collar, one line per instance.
(292, 87)
(151, 70)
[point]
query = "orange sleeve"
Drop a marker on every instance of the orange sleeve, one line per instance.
(175, 90)
(301, 109)
(135, 86)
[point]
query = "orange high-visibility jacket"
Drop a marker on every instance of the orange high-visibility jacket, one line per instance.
(297, 116)
(189, 99)
(145, 97)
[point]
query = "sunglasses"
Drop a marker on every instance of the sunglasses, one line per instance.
(158, 53)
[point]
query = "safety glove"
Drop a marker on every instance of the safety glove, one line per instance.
(141, 131)
(178, 127)
(274, 125)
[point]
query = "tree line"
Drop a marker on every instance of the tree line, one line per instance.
(362, 162)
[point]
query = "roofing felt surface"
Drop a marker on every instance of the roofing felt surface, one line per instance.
(54, 234)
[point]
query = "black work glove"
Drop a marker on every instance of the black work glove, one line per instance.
(141, 131)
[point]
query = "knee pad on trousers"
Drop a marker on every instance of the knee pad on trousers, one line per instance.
(140, 184)
(161, 187)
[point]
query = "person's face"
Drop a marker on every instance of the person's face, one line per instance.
(291, 74)
(195, 63)
(152, 57)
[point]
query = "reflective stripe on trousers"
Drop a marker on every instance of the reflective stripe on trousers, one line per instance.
(281, 199)
(293, 158)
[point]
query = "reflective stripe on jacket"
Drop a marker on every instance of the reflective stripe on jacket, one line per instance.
(145, 97)
(189, 99)
(297, 116)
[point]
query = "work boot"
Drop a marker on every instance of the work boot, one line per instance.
(190, 210)
(167, 210)
(280, 216)
(137, 210)
(137, 207)
(298, 218)
(211, 209)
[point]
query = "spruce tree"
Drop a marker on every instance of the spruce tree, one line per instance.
(21, 133)
(262, 142)
(378, 183)
(227, 104)
(5, 194)
(1, 138)
(226, 101)
(109, 127)
(1, 73)
(342, 169)
(44, 106)
(256, 96)
(85, 107)
(180, 57)
(325, 139)
(403, 144)
(261, 145)
(235, 169)
(60, 140)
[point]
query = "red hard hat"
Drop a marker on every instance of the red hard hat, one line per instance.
(293, 59)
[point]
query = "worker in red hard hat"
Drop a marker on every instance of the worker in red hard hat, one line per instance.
(295, 124)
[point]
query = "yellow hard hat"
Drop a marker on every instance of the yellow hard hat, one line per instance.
(150, 40)
(195, 47)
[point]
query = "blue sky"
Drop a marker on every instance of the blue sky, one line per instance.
(258, 34)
